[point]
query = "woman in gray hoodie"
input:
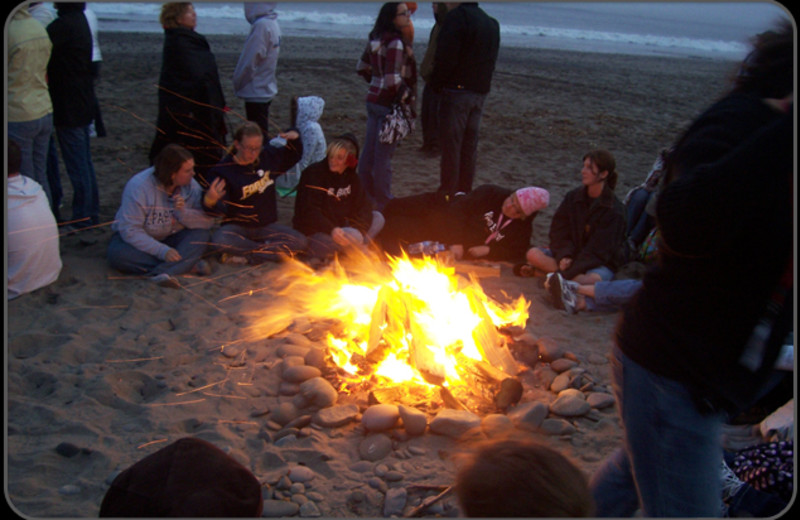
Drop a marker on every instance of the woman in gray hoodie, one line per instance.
(254, 76)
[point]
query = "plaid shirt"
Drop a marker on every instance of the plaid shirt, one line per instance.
(388, 68)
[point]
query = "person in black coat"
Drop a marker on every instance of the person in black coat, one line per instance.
(489, 223)
(698, 343)
(71, 88)
(191, 104)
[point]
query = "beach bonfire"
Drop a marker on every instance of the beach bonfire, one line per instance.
(402, 328)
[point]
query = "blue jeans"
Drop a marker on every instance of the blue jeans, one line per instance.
(77, 155)
(669, 463)
(459, 121)
(190, 243)
(611, 295)
(322, 245)
(375, 164)
(259, 244)
(33, 138)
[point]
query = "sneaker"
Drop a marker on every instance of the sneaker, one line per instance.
(227, 258)
(165, 280)
(201, 268)
(731, 484)
(563, 292)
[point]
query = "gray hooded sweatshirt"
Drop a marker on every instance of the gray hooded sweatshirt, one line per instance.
(254, 76)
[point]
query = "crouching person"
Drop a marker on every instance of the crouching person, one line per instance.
(161, 230)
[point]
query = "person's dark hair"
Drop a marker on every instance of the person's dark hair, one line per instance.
(605, 161)
(768, 70)
(385, 22)
(168, 161)
(170, 12)
(14, 159)
(521, 478)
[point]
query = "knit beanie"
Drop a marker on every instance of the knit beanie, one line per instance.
(532, 199)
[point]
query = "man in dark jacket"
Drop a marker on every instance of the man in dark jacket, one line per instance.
(466, 52)
(72, 92)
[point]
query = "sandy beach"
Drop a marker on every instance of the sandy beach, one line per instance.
(119, 368)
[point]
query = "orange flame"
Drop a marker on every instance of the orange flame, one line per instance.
(408, 319)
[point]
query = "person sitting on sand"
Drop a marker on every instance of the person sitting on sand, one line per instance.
(332, 206)
(242, 192)
(305, 112)
(160, 230)
(33, 259)
(521, 478)
(587, 230)
(490, 222)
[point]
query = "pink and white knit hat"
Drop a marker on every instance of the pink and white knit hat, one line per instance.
(532, 199)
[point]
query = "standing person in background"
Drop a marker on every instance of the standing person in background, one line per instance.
(97, 128)
(191, 103)
(33, 259)
(391, 72)
(44, 14)
(699, 341)
(254, 76)
(466, 52)
(429, 116)
(29, 111)
(71, 87)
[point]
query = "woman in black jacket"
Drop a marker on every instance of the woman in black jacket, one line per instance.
(191, 104)
(588, 227)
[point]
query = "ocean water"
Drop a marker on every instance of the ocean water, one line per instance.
(720, 30)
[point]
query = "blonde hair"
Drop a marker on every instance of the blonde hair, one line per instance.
(170, 13)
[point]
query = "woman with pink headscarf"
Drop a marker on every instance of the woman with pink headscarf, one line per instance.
(490, 222)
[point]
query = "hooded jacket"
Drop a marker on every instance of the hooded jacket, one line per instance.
(326, 200)
(254, 76)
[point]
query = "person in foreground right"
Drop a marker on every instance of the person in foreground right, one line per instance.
(700, 339)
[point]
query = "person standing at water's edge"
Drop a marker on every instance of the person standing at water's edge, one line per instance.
(466, 52)
(254, 78)
(391, 72)
(191, 103)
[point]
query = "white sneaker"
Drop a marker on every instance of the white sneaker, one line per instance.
(165, 280)
(563, 292)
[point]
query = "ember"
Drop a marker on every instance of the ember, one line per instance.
(409, 321)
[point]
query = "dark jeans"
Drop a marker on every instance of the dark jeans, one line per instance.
(259, 113)
(190, 243)
(429, 118)
(77, 155)
(459, 121)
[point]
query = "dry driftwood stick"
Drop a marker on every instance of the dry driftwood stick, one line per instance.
(428, 502)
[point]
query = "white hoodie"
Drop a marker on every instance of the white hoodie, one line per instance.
(309, 110)
(254, 76)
